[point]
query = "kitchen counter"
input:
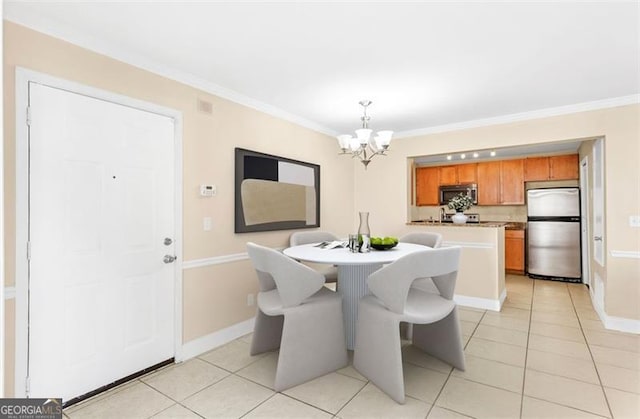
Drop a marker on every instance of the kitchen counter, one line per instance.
(508, 225)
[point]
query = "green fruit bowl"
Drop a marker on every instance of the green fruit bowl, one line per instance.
(384, 246)
(385, 243)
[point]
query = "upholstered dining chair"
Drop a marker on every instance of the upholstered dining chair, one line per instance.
(433, 240)
(392, 300)
(305, 237)
(299, 316)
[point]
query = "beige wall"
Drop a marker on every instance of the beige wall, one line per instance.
(214, 296)
(384, 188)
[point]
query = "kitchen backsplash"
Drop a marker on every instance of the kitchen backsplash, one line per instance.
(487, 213)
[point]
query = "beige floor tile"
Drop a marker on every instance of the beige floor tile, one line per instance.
(468, 327)
(589, 324)
(185, 379)
(263, 371)
(247, 338)
(329, 392)
(422, 383)
(573, 334)
(496, 374)
(541, 306)
(176, 412)
(561, 365)
(415, 356)
(350, 371)
(616, 340)
(497, 351)
(587, 314)
(561, 318)
(565, 391)
(513, 312)
(470, 315)
(136, 401)
(540, 409)
(615, 357)
(371, 403)
(100, 396)
(438, 412)
(519, 306)
(505, 321)
(623, 405)
(232, 356)
(559, 346)
(518, 299)
(478, 400)
(283, 407)
(498, 334)
(619, 378)
(230, 397)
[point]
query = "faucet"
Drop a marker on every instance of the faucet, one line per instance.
(442, 214)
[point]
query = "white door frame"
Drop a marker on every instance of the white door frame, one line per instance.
(23, 77)
(584, 206)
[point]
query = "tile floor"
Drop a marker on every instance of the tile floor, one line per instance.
(545, 355)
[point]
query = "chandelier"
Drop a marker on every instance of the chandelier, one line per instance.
(362, 145)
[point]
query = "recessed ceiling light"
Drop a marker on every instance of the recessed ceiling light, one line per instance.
(449, 157)
(493, 153)
(463, 156)
(475, 155)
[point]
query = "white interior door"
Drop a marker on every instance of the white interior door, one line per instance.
(101, 203)
(598, 202)
(584, 220)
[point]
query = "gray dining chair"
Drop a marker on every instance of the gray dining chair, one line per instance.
(377, 353)
(299, 316)
(306, 237)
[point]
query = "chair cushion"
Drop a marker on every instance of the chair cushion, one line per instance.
(426, 307)
(270, 303)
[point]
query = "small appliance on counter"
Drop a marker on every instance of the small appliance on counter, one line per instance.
(553, 234)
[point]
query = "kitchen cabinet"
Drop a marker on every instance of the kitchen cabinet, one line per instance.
(459, 174)
(501, 182)
(427, 186)
(512, 182)
(489, 183)
(563, 167)
(514, 251)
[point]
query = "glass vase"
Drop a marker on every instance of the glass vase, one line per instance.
(364, 234)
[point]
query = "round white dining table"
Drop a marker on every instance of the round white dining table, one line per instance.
(353, 271)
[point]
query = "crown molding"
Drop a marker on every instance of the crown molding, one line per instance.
(58, 30)
(523, 116)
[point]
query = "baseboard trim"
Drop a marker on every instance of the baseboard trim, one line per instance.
(481, 303)
(9, 292)
(213, 340)
(620, 324)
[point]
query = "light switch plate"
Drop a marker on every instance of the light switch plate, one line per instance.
(634, 220)
(206, 223)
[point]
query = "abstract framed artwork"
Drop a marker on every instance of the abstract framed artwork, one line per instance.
(275, 193)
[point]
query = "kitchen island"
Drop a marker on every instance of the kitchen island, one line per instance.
(480, 282)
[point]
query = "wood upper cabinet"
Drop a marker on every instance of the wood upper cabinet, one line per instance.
(563, 167)
(512, 182)
(514, 251)
(489, 183)
(427, 186)
(501, 182)
(458, 174)
(536, 168)
(448, 175)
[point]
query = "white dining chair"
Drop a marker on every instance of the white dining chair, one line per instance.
(299, 316)
(436, 330)
(433, 240)
(306, 237)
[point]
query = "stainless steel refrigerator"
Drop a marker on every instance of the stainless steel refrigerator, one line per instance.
(553, 234)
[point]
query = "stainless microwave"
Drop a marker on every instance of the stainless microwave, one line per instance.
(449, 191)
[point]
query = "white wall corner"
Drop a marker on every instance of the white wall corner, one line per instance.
(211, 341)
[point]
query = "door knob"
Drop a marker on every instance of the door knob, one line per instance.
(169, 259)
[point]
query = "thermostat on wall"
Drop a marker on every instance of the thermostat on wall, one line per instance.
(207, 190)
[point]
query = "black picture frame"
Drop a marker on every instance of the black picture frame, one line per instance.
(272, 192)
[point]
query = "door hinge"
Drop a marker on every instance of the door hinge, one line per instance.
(27, 386)
(29, 115)
(28, 250)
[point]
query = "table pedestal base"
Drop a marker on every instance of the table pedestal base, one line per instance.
(352, 285)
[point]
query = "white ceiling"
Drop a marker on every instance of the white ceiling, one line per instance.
(425, 65)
